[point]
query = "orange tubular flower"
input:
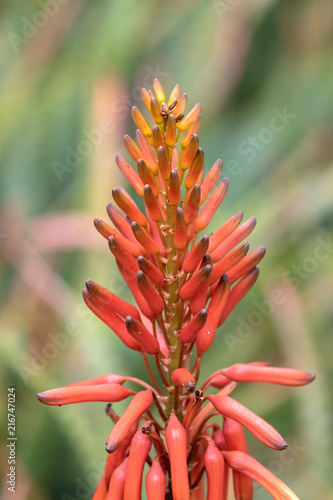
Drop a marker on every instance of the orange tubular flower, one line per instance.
(83, 393)
(261, 429)
(141, 402)
(184, 286)
(156, 482)
(175, 436)
(139, 449)
(214, 465)
(242, 462)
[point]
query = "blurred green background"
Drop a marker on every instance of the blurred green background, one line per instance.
(263, 73)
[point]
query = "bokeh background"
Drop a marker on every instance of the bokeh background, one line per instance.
(263, 73)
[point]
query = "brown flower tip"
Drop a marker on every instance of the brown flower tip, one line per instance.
(255, 424)
(183, 378)
(140, 403)
(138, 331)
(242, 462)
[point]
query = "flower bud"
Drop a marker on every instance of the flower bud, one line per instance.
(183, 378)
(190, 331)
(152, 204)
(236, 237)
(214, 465)
(145, 240)
(246, 264)
(140, 333)
(180, 236)
(193, 129)
(147, 152)
(140, 403)
(228, 262)
(109, 299)
(212, 205)
(133, 149)
(269, 374)
(171, 131)
(141, 122)
(147, 177)
(122, 224)
(210, 180)
(196, 254)
(150, 270)
(158, 89)
(163, 163)
(128, 207)
(217, 303)
(134, 287)
(235, 440)
(195, 169)
(174, 96)
(139, 449)
(175, 436)
(189, 152)
(120, 253)
(193, 204)
(130, 174)
(238, 292)
(245, 464)
(255, 424)
(156, 482)
(146, 96)
(111, 393)
(155, 109)
(188, 290)
(174, 188)
(149, 292)
(190, 118)
(158, 140)
(117, 483)
(224, 231)
(106, 231)
(179, 109)
(111, 319)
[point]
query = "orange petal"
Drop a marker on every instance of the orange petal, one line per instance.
(235, 440)
(212, 205)
(196, 254)
(109, 299)
(175, 436)
(111, 393)
(156, 482)
(128, 207)
(150, 293)
(255, 424)
(242, 462)
(141, 122)
(117, 483)
(101, 491)
(272, 375)
(188, 290)
(193, 204)
(130, 174)
(139, 449)
(225, 230)
(183, 378)
(214, 465)
(153, 272)
(210, 180)
(174, 188)
(138, 331)
(140, 403)
(191, 329)
(180, 235)
(236, 237)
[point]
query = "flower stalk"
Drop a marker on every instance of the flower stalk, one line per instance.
(184, 286)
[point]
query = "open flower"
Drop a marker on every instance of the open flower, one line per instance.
(184, 286)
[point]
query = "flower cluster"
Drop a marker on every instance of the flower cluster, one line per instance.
(185, 286)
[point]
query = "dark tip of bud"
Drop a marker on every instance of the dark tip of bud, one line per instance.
(180, 117)
(173, 105)
(140, 275)
(203, 314)
(141, 260)
(129, 322)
